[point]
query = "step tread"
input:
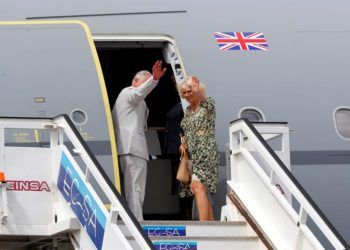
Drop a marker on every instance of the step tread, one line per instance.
(201, 238)
(195, 223)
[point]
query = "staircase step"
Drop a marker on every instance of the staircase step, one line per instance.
(191, 222)
(193, 228)
(203, 243)
(196, 228)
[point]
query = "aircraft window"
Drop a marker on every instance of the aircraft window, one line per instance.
(342, 122)
(78, 116)
(252, 114)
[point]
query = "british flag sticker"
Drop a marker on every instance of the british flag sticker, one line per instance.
(241, 41)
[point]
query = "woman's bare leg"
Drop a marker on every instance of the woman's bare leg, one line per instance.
(204, 207)
(210, 209)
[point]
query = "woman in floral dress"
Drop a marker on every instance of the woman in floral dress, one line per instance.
(199, 132)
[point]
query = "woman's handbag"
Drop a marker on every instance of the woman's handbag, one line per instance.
(183, 173)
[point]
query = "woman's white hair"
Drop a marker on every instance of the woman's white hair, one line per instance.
(187, 83)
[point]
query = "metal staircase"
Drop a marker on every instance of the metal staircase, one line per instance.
(54, 196)
(56, 190)
(262, 188)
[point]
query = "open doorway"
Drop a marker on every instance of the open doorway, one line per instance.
(119, 66)
(120, 61)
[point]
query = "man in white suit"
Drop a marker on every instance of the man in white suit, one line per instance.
(130, 121)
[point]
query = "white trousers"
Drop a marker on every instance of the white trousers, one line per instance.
(134, 170)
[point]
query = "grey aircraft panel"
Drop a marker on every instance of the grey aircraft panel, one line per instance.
(45, 71)
(31, 67)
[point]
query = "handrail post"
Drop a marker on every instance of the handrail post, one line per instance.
(301, 221)
(2, 148)
(55, 151)
(235, 141)
(3, 184)
(286, 148)
(3, 206)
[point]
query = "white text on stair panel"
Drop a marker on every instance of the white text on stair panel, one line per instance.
(81, 201)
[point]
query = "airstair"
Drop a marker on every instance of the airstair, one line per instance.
(58, 190)
(55, 195)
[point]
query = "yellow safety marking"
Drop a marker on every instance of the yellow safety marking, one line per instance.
(108, 206)
(36, 135)
(101, 80)
(107, 109)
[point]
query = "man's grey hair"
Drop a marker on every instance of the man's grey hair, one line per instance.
(143, 74)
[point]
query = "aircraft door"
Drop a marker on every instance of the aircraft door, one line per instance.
(48, 68)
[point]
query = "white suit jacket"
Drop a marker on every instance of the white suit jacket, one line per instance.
(129, 115)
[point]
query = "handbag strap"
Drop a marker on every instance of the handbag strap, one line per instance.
(183, 150)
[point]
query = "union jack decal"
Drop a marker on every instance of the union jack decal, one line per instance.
(241, 41)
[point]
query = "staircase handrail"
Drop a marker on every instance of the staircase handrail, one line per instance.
(307, 206)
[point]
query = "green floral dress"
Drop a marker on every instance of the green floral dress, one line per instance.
(199, 129)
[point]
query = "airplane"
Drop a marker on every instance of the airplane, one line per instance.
(295, 75)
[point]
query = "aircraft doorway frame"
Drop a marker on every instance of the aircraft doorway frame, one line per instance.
(170, 54)
(170, 50)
